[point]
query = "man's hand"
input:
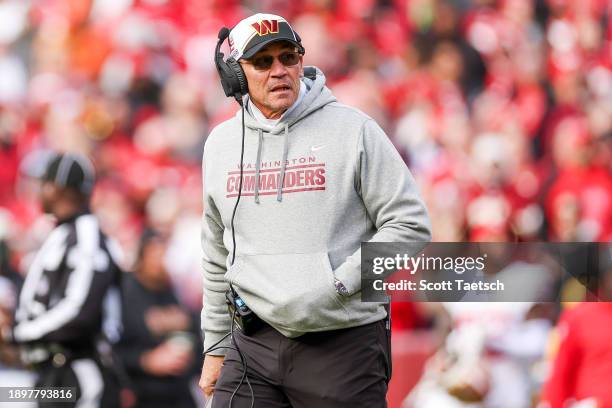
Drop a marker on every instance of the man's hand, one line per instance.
(166, 359)
(210, 373)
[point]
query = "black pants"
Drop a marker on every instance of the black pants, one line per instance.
(332, 369)
(93, 383)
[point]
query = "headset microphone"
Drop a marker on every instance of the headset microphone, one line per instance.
(223, 33)
(232, 76)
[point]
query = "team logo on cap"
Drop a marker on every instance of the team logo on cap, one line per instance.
(265, 27)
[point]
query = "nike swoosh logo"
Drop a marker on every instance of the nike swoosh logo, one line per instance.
(318, 147)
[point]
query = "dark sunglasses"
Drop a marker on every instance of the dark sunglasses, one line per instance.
(264, 62)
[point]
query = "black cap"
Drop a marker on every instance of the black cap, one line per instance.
(73, 171)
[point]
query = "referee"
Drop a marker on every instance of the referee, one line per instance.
(70, 296)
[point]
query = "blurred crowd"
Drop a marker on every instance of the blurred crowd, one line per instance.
(501, 108)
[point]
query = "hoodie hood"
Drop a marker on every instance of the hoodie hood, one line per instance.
(317, 96)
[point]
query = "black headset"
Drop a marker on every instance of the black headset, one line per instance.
(233, 79)
(232, 76)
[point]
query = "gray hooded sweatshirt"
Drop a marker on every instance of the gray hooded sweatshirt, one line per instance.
(321, 181)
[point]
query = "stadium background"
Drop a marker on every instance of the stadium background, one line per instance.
(501, 108)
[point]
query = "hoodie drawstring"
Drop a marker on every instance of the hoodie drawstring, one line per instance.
(257, 165)
(279, 194)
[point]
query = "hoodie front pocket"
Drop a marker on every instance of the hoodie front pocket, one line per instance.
(291, 291)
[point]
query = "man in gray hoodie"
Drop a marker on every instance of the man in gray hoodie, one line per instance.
(318, 178)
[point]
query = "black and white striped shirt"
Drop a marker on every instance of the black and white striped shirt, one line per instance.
(71, 292)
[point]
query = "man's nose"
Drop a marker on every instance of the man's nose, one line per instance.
(278, 69)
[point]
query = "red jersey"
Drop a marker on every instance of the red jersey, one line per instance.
(582, 368)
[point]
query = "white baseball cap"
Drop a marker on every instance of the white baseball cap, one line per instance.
(254, 32)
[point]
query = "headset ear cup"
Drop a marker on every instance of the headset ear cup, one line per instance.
(232, 76)
(227, 78)
(241, 81)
